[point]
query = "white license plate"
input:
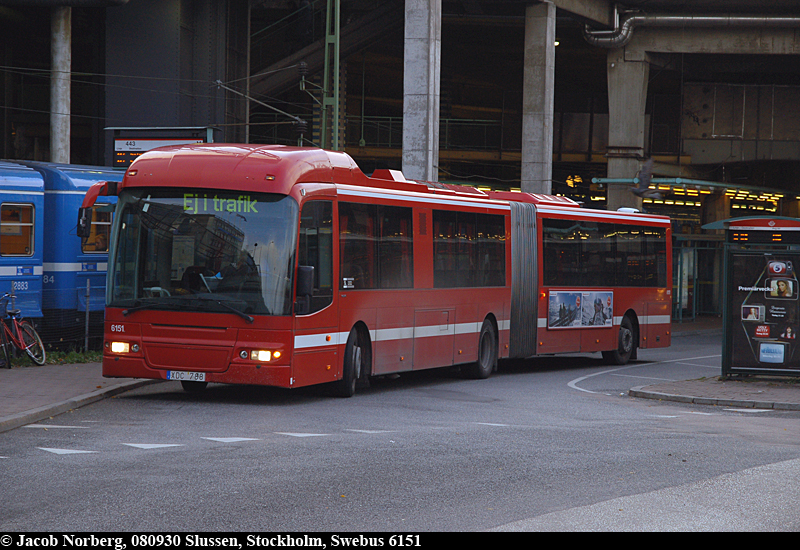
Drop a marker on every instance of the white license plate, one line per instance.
(184, 375)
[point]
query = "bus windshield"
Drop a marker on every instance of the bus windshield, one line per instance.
(204, 250)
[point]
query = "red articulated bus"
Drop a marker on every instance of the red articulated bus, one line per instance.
(286, 266)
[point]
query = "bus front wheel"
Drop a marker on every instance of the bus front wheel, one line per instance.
(626, 344)
(352, 367)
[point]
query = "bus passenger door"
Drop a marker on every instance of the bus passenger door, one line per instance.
(434, 332)
(656, 330)
(315, 358)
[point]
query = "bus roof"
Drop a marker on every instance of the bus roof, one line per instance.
(278, 168)
(254, 168)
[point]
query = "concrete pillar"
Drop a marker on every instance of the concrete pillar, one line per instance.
(60, 90)
(627, 94)
(537, 98)
(421, 78)
(716, 207)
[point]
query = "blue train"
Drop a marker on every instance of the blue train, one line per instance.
(52, 287)
(22, 236)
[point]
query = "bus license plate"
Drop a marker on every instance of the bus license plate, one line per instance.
(184, 375)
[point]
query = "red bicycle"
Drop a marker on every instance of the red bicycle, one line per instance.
(20, 333)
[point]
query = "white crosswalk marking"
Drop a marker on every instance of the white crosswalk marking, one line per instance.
(230, 439)
(64, 451)
(152, 445)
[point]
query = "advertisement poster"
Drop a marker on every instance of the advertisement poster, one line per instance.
(764, 315)
(571, 309)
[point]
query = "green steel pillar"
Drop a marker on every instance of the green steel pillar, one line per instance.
(329, 125)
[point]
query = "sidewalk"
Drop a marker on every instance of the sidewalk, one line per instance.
(757, 392)
(29, 394)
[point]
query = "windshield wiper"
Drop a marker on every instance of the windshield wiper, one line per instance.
(238, 312)
(150, 305)
(202, 297)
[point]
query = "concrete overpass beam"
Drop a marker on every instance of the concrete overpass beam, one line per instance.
(537, 101)
(60, 83)
(627, 95)
(421, 85)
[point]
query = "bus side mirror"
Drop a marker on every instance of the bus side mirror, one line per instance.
(101, 188)
(84, 228)
(305, 288)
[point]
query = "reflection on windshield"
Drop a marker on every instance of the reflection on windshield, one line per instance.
(204, 250)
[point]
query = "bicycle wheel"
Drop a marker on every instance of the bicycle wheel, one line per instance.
(5, 345)
(33, 343)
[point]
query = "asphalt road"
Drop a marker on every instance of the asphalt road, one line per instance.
(551, 444)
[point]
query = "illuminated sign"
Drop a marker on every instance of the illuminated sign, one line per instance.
(126, 150)
(194, 203)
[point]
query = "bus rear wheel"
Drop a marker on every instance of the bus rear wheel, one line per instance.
(626, 344)
(487, 353)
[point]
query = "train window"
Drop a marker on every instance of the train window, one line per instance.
(100, 231)
(16, 230)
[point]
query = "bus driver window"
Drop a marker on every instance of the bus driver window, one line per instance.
(97, 241)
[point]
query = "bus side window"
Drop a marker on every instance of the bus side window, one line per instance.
(315, 248)
(358, 240)
(396, 248)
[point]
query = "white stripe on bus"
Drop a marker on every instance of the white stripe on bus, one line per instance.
(577, 213)
(643, 320)
(460, 201)
(388, 334)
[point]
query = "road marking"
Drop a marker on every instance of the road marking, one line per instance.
(64, 451)
(749, 410)
(55, 426)
(230, 439)
(716, 367)
(574, 383)
(152, 445)
(370, 431)
(294, 434)
(491, 424)
(644, 377)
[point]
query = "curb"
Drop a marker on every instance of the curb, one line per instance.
(34, 415)
(743, 403)
(701, 332)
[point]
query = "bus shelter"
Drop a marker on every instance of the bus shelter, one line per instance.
(761, 311)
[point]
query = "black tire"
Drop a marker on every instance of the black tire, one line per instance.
(6, 345)
(487, 353)
(33, 343)
(626, 345)
(352, 367)
(193, 386)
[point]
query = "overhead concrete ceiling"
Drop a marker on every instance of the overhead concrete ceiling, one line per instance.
(599, 12)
